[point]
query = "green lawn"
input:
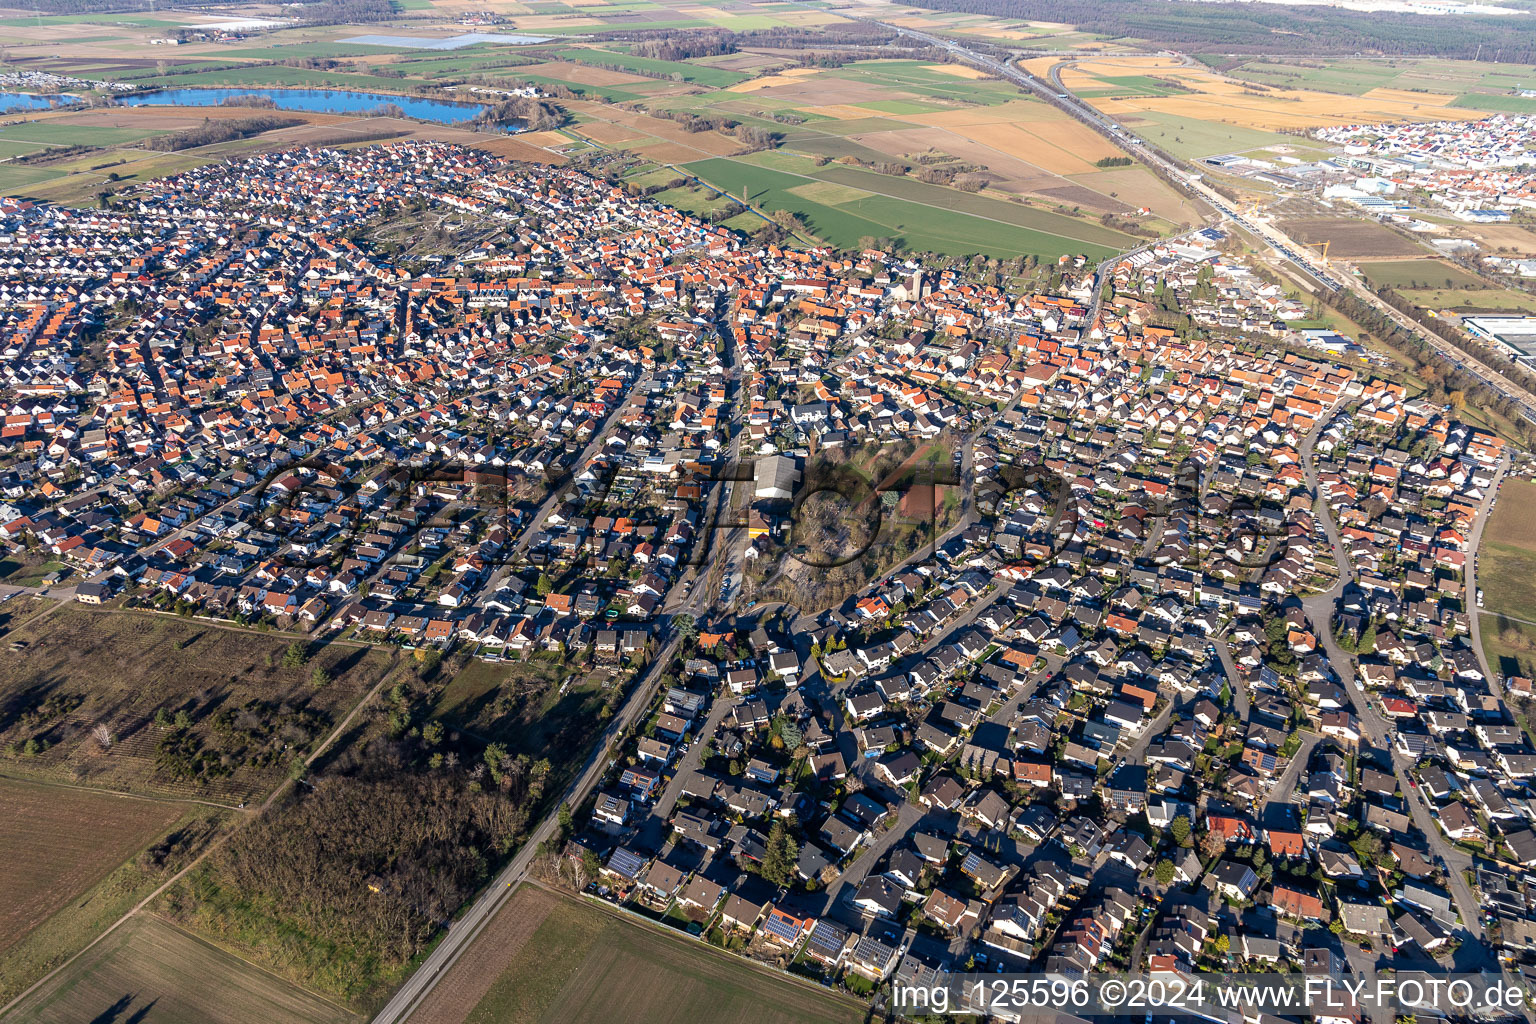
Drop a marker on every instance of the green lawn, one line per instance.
(32, 576)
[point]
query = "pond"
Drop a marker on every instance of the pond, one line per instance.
(328, 101)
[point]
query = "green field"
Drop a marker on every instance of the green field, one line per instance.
(1190, 139)
(1506, 572)
(977, 205)
(151, 972)
(933, 219)
(1478, 85)
(1472, 300)
(588, 965)
(714, 77)
(1411, 274)
(49, 134)
(1499, 104)
(9, 148)
(914, 76)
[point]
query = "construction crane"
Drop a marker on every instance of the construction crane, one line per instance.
(1326, 243)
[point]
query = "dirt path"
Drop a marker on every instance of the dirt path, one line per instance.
(324, 745)
(473, 974)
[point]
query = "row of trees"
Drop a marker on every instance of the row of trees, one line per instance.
(211, 131)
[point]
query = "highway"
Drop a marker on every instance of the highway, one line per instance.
(1289, 249)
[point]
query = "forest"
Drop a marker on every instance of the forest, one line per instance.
(389, 852)
(1264, 28)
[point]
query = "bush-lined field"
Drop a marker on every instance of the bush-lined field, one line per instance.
(56, 843)
(587, 965)
(191, 708)
(1480, 299)
(151, 972)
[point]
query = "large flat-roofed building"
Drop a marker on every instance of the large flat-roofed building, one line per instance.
(1515, 334)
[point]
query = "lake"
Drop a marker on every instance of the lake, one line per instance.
(450, 43)
(328, 101)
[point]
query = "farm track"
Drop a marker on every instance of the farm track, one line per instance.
(212, 847)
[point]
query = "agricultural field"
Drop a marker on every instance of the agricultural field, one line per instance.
(231, 713)
(843, 205)
(1438, 284)
(1418, 274)
(1471, 301)
(1506, 572)
(580, 963)
(1467, 84)
(88, 858)
(78, 179)
(151, 972)
(1508, 239)
(1177, 97)
(906, 115)
(57, 842)
(1191, 138)
(934, 120)
(1351, 239)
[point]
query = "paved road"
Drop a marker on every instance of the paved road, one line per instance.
(1240, 700)
(1286, 783)
(1376, 730)
(907, 815)
(469, 924)
(653, 832)
(472, 921)
(1474, 613)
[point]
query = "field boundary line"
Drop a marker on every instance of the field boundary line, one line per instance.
(212, 846)
(1501, 615)
(903, 199)
(204, 940)
(149, 797)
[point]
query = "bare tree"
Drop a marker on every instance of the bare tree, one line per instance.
(102, 735)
